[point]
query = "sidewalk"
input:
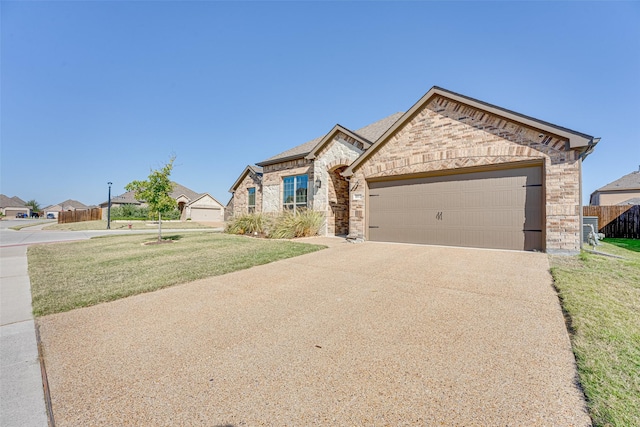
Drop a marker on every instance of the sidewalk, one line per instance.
(21, 392)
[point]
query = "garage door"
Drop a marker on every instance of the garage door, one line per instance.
(493, 209)
(206, 214)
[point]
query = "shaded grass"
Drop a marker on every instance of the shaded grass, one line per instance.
(601, 297)
(70, 275)
(124, 225)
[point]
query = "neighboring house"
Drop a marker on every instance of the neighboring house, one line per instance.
(192, 205)
(67, 205)
(452, 170)
(623, 191)
(11, 206)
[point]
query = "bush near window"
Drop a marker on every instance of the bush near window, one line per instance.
(286, 225)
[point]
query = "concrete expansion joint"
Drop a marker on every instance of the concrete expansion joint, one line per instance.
(45, 381)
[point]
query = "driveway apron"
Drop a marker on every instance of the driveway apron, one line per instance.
(358, 334)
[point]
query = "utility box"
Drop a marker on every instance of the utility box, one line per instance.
(586, 220)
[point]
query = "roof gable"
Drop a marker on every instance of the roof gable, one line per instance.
(577, 140)
(337, 129)
(368, 133)
(255, 170)
(203, 197)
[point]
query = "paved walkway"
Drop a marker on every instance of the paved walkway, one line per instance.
(358, 334)
(21, 392)
(22, 401)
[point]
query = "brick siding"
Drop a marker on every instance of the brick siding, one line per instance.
(448, 135)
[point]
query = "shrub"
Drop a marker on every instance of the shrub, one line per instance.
(303, 223)
(129, 211)
(134, 212)
(249, 224)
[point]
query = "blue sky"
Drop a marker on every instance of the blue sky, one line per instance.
(102, 91)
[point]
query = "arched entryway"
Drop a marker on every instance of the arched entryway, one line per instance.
(338, 213)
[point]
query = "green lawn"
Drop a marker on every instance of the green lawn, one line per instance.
(124, 225)
(601, 297)
(70, 275)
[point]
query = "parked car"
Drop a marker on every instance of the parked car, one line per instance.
(51, 216)
(22, 215)
(35, 215)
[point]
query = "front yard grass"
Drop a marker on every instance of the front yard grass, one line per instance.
(124, 225)
(70, 275)
(601, 298)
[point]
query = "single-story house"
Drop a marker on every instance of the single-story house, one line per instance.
(11, 206)
(67, 205)
(622, 191)
(192, 205)
(451, 170)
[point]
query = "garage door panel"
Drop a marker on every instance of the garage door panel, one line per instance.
(206, 214)
(493, 209)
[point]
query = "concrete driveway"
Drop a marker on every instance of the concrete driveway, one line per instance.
(359, 334)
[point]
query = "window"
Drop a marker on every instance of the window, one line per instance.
(295, 192)
(252, 200)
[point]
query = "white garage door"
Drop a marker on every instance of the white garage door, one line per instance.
(493, 209)
(206, 214)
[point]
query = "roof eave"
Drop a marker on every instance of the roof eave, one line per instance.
(282, 159)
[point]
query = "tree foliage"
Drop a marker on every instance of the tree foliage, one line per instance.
(34, 205)
(155, 192)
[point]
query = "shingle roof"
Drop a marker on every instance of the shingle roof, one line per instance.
(11, 202)
(19, 200)
(373, 131)
(179, 190)
(370, 132)
(634, 201)
(628, 182)
(73, 203)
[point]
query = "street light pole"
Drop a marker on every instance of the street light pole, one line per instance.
(109, 209)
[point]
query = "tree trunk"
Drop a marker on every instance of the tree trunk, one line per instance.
(159, 226)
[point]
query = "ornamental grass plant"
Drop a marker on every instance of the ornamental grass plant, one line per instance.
(286, 225)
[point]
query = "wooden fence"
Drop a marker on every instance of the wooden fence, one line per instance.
(79, 215)
(616, 221)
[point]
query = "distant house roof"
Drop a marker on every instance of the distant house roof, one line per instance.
(179, 190)
(72, 204)
(19, 200)
(628, 182)
(256, 170)
(370, 133)
(11, 202)
(129, 197)
(633, 201)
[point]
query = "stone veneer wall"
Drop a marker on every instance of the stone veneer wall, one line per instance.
(272, 182)
(342, 150)
(241, 195)
(447, 135)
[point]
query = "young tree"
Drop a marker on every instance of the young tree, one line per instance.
(155, 192)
